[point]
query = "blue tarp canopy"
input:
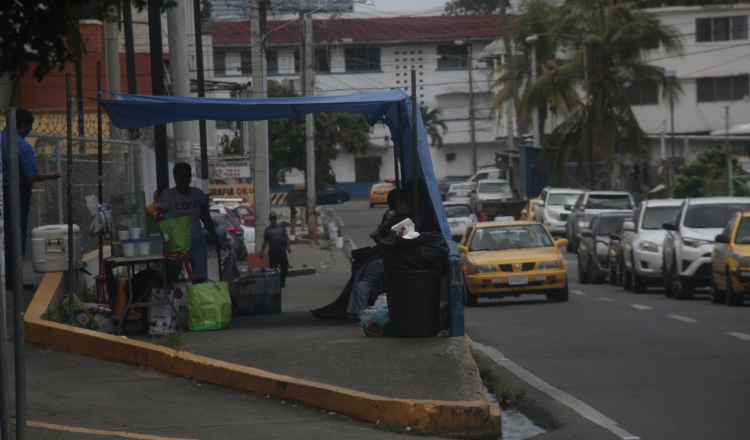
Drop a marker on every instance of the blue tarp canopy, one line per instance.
(137, 111)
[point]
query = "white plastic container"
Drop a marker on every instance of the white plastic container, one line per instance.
(129, 248)
(135, 233)
(339, 242)
(404, 227)
(49, 248)
(144, 247)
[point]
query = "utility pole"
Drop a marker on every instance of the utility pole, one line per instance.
(260, 128)
(306, 55)
(202, 136)
(179, 66)
(534, 113)
(592, 168)
(112, 53)
(511, 70)
(471, 113)
(726, 151)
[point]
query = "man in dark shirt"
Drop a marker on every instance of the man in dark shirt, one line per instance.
(277, 240)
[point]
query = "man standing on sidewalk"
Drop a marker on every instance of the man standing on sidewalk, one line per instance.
(29, 174)
(277, 240)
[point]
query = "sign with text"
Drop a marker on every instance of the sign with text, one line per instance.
(237, 190)
(232, 170)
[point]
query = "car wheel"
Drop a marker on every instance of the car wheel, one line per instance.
(593, 276)
(469, 299)
(717, 296)
(732, 298)
(562, 294)
(371, 205)
(639, 284)
(666, 278)
(680, 289)
(339, 200)
(620, 274)
(583, 277)
(627, 279)
(569, 247)
(613, 274)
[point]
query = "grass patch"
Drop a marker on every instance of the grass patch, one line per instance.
(507, 394)
(171, 340)
(485, 371)
(400, 429)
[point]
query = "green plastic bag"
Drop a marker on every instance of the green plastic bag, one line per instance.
(209, 306)
(176, 233)
(81, 316)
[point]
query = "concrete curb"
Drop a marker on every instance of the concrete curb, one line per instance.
(466, 419)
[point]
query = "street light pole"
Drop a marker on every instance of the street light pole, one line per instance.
(531, 39)
(471, 116)
(671, 72)
(592, 168)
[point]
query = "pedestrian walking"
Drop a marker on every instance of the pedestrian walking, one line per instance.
(276, 239)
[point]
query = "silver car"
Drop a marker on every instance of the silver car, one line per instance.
(553, 208)
(588, 205)
(459, 192)
(460, 216)
(490, 189)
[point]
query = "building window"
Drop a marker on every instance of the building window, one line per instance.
(322, 60)
(296, 62)
(220, 64)
(721, 28)
(272, 60)
(643, 95)
(453, 57)
(362, 59)
(246, 63)
(726, 88)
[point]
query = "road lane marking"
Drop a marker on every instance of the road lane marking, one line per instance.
(124, 434)
(561, 396)
(605, 299)
(351, 242)
(741, 336)
(578, 292)
(683, 319)
(640, 307)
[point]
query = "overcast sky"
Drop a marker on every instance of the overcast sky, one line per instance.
(401, 5)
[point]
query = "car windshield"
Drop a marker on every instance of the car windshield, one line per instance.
(383, 186)
(743, 233)
(510, 237)
(493, 187)
(654, 217)
(608, 224)
(609, 201)
(461, 187)
(453, 211)
(562, 199)
(712, 216)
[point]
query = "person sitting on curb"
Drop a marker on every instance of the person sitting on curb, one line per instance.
(277, 239)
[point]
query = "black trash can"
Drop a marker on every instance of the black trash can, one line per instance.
(413, 303)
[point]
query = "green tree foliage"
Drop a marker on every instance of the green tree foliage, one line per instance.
(334, 133)
(706, 176)
(433, 124)
(47, 32)
(466, 7)
(663, 3)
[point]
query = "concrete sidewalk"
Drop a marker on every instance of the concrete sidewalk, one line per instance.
(430, 383)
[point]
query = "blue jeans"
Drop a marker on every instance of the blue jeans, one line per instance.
(365, 279)
(198, 254)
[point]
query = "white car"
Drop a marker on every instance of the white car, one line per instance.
(459, 192)
(460, 216)
(490, 189)
(642, 243)
(690, 239)
(552, 208)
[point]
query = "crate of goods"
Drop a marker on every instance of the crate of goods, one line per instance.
(257, 294)
(49, 248)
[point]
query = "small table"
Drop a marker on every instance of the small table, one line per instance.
(129, 263)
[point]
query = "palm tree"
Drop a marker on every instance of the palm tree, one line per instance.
(433, 121)
(617, 41)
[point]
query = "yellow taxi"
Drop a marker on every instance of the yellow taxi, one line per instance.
(527, 213)
(379, 193)
(730, 261)
(512, 258)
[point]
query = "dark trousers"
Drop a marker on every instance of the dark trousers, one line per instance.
(25, 191)
(279, 259)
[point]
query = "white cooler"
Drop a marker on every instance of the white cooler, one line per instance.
(49, 248)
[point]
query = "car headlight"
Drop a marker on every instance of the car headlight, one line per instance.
(556, 264)
(648, 246)
(744, 262)
(482, 268)
(602, 248)
(553, 215)
(694, 242)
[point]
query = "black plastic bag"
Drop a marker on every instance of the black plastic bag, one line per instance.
(428, 251)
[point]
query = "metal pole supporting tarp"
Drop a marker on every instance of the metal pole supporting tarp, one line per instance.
(69, 198)
(4, 382)
(414, 150)
(201, 93)
(16, 252)
(100, 165)
(397, 145)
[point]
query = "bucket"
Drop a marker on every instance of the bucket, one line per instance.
(333, 233)
(129, 248)
(144, 247)
(413, 303)
(339, 242)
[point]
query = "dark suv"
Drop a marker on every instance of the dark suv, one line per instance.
(588, 205)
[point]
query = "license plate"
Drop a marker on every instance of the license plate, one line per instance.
(516, 280)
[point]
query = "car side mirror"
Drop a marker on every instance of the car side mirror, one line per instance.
(669, 226)
(586, 233)
(614, 237)
(560, 242)
(524, 212)
(628, 226)
(722, 238)
(462, 249)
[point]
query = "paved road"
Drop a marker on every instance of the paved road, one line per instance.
(657, 367)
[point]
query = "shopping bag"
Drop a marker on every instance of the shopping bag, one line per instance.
(209, 306)
(176, 233)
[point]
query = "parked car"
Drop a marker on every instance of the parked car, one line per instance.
(490, 189)
(614, 256)
(593, 250)
(226, 227)
(460, 216)
(642, 243)
(730, 262)
(379, 193)
(689, 241)
(459, 192)
(589, 204)
(553, 207)
(527, 213)
(489, 173)
(331, 196)
(500, 259)
(246, 214)
(447, 181)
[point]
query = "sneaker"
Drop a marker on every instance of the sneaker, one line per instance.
(352, 320)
